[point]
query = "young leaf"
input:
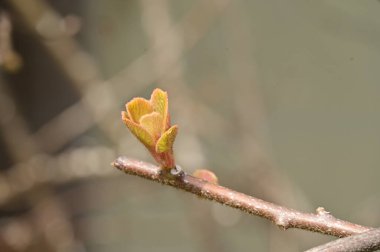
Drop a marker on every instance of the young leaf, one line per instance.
(152, 123)
(138, 107)
(166, 141)
(159, 101)
(140, 133)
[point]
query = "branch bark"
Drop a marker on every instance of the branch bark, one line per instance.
(285, 218)
(364, 242)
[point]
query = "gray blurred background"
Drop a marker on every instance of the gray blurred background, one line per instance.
(279, 98)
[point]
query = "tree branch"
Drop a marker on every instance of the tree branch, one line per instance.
(321, 222)
(364, 242)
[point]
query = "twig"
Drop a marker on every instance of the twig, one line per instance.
(43, 170)
(364, 242)
(321, 222)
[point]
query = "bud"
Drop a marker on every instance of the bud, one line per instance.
(206, 175)
(149, 122)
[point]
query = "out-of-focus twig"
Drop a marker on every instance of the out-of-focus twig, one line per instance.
(285, 218)
(20, 142)
(10, 60)
(99, 96)
(193, 27)
(55, 225)
(22, 146)
(77, 164)
(364, 242)
(47, 226)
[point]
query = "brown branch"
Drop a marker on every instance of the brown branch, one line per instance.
(321, 222)
(364, 242)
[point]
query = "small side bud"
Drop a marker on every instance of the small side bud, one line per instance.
(323, 213)
(206, 175)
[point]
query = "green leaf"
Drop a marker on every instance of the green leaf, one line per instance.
(165, 143)
(138, 107)
(152, 123)
(159, 101)
(141, 134)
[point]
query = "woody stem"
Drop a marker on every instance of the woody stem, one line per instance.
(321, 222)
